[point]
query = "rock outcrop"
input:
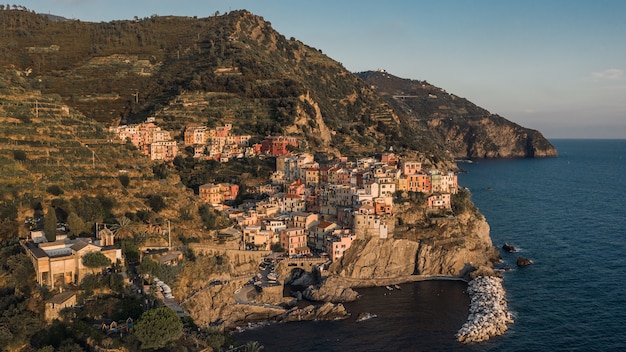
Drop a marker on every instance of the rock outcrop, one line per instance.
(446, 246)
(218, 302)
(491, 137)
(509, 248)
(327, 311)
(301, 277)
(441, 247)
(522, 261)
(376, 258)
(333, 290)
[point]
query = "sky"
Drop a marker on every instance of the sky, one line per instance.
(558, 66)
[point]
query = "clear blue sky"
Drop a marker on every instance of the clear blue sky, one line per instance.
(553, 65)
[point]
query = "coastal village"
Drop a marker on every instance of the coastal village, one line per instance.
(309, 209)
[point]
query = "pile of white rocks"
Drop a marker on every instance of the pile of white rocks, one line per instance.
(489, 315)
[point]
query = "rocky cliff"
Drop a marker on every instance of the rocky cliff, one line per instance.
(428, 247)
(461, 128)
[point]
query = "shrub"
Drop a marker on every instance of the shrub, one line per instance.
(156, 203)
(19, 155)
(160, 171)
(277, 247)
(55, 190)
(124, 180)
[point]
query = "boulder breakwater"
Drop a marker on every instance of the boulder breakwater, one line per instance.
(488, 312)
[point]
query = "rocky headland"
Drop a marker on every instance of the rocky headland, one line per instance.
(457, 248)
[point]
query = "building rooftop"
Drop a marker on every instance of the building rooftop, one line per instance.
(61, 297)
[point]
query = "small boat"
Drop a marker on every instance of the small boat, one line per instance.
(272, 276)
(397, 287)
(365, 316)
(389, 288)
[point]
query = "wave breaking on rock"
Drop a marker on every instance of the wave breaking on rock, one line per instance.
(488, 312)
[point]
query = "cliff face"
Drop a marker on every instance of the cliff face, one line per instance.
(219, 302)
(490, 137)
(447, 246)
(461, 128)
(379, 258)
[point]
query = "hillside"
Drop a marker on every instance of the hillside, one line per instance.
(464, 129)
(233, 68)
(51, 154)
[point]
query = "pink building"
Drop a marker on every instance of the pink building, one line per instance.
(337, 245)
(296, 188)
(439, 201)
(293, 241)
(411, 167)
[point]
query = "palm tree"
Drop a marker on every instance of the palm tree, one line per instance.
(123, 228)
(253, 346)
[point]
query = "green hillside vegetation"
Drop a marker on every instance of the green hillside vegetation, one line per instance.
(53, 155)
(231, 68)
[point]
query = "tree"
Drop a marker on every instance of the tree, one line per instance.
(150, 267)
(130, 251)
(95, 260)
(50, 224)
(75, 223)
(214, 338)
(156, 202)
(123, 228)
(158, 327)
(277, 247)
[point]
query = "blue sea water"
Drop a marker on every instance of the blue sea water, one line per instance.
(567, 214)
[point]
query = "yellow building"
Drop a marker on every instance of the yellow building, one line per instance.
(60, 262)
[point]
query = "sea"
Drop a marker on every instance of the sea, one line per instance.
(567, 214)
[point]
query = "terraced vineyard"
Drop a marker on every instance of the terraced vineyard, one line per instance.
(49, 152)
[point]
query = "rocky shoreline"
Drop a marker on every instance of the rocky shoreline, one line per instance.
(489, 315)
